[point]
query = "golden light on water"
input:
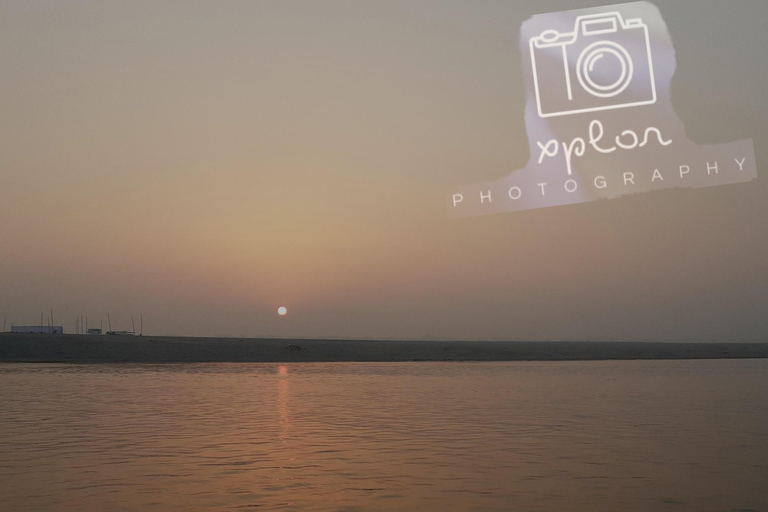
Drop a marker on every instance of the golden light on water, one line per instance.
(282, 402)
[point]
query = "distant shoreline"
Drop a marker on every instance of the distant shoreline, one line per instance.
(68, 348)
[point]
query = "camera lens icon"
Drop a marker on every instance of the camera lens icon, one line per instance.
(605, 69)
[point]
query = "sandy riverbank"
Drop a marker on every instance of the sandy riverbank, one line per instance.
(157, 349)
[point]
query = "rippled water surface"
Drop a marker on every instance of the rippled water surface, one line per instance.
(578, 436)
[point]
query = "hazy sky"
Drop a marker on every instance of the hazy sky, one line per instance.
(205, 162)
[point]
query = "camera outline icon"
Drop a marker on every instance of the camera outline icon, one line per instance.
(595, 37)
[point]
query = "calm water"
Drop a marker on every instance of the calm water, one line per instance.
(580, 436)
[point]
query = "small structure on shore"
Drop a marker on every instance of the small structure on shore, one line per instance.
(37, 329)
(121, 333)
(94, 331)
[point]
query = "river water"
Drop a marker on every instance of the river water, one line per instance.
(553, 436)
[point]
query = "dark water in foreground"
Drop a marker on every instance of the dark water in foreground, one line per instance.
(579, 436)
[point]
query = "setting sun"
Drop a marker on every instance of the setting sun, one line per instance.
(282, 311)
